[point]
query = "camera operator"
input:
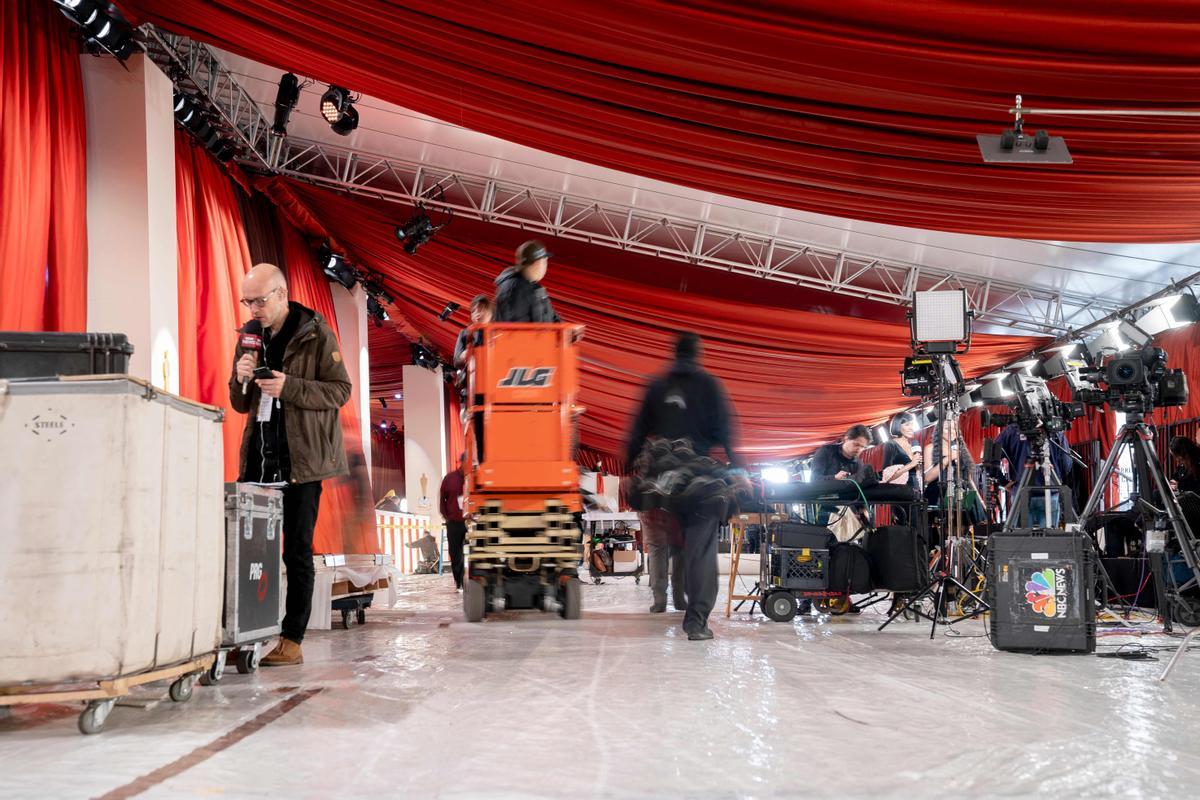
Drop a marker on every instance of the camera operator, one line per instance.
(839, 460)
(1015, 447)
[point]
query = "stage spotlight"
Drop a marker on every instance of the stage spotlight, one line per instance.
(337, 107)
(1063, 360)
(450, 308)
(224, 149)
(775, 475)
(376, 312)
(996, 390)
(285, 100)
(1173, 311)
(335, 267)
(422, 356)
(1185, 310)
(104, 27)
(1133, 333)
(1108, 342)
(971, 399)
(417, 231)
(373, 286)
(383, 402)
(1027, 365)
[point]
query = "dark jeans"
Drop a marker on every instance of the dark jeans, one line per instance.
(301, 502)
(456, 537)
(700, 566)
(667, 559)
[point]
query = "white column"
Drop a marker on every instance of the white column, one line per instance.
(351, 310)
(132, 249)
(424, 441)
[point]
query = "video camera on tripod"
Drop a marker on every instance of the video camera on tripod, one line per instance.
(1034, 408)
(1134, 382)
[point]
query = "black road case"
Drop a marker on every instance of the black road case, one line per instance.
(45, 355)
(1041, 587)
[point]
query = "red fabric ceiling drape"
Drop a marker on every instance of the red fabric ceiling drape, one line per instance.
(797, 378)
(866, 110)
(346, 523)
(213, 257)
(43, 172)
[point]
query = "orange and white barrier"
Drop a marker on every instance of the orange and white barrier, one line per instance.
(396, 530)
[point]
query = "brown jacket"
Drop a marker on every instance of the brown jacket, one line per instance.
(317, 386)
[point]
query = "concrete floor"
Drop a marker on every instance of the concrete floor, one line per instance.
(418, 703)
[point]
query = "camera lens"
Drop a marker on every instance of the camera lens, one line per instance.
(1125, 371)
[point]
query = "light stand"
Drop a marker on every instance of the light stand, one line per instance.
(957, 550)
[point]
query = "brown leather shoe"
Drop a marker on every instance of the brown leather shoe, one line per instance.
(286, 654)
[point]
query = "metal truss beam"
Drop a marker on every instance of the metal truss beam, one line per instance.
(996, 301)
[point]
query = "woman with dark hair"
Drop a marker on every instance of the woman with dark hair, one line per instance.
(899, 453)
(1187, 465)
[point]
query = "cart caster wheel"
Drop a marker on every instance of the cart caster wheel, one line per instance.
(362, 616)
(213, 675)
(474, 601)
(247, 660)
(92, 719)
(779, 606)
(181, 689)
(572, 599)
(347, 618)
(1186, 611)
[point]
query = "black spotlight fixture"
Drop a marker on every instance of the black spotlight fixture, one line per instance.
(373, 285)
(450, 308)
(335, 267)
(191, 115)
(422, 356)
(104, 27)
(337, 107)
(285, 100)
(418, 230)
(376, 312)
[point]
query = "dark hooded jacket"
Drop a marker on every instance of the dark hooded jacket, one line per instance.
(317, 386)
(521, 300)
(687, 402)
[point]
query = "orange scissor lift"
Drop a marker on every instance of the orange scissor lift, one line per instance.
(522, 483)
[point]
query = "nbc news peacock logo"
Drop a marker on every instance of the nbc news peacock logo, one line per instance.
(1046, 592)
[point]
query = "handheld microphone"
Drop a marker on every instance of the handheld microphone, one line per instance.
(251, 340)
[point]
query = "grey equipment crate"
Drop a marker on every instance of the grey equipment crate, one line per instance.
(253, 563)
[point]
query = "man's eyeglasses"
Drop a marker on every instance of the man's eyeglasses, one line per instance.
(259, 302)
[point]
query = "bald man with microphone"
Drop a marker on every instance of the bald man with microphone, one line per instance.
(289, 379)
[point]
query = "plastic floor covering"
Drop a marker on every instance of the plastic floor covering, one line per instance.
(418, 703)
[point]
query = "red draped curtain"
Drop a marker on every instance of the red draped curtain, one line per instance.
(456, 441)
(43, 172)
(213, 258)
(387, 461)
(867, 110)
